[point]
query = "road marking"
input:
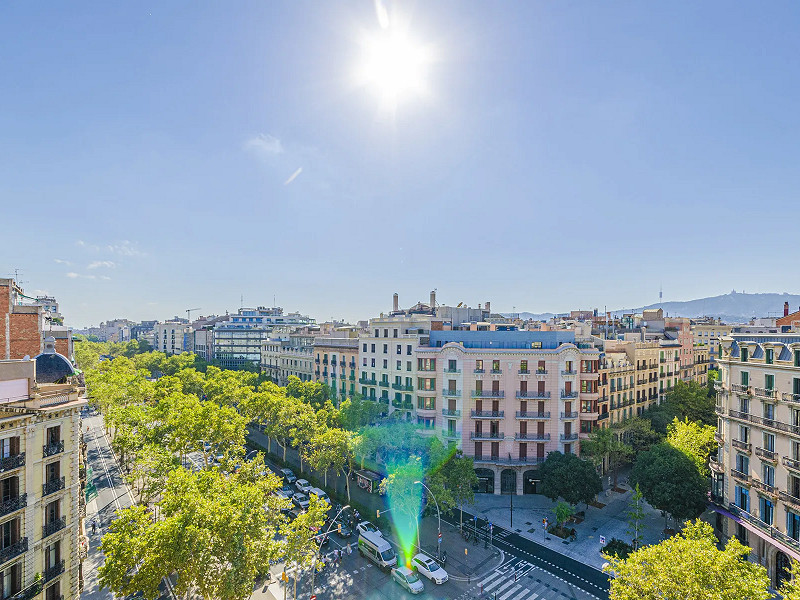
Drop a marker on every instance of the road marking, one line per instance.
(504, 586)
(493, 585)
(524, 593)
(513, 590)
(492, 576)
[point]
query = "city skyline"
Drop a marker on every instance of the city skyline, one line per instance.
(154, 157)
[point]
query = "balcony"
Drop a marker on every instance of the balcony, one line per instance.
(325, 373)
(569, 372)
(402, 388)
(53, 448)
(452, 371)
(791, 463)
(532, 436)
(488, 394)
(568, 437)
(451, 434)
(764, 487)
(602, 416)
(532, 415)
(479, 371)
(487, 414)
(426, 391)
(31, 591)
(740, 389)
(447, 393)
(408, 405)
(718, 386)
(451, 412)
(788, 397)
(589, 415)
(324, 361)
(789, 499)
(720, 410)
(765, 394)
(535, 395)
(568, 395)
(52, 486)
(397, 403)
(13, 504)
(333, 362)
(569, 415)
(523, 460)
(351, 364)
(316, 361)
(737, 414)
(366, 381)
(14, 550)
(54, 571)
(715, 465)
(740, 445)
(736, 474)
(12, 462)
(768, 529)
(352, 377)
(496, 371)
(767, 454)
(486, 435)
(53, 526)
(333, 374)
(541, 371)
(383, 384)
(523, 372)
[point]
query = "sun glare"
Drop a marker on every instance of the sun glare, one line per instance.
(394, 67)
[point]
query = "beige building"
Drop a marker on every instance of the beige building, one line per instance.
(709, 335)
(756, 472)
(169, 337)
(336, 364)
(41, 469)
(629, 380)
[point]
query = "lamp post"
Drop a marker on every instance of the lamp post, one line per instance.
(319, 551)
(438, 516)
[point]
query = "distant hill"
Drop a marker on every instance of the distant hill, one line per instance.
(732, 308)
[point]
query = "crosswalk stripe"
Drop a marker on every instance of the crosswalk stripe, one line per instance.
(493, 585)
(502, 587)
(490, 577)
(513, 590)
(525, 592)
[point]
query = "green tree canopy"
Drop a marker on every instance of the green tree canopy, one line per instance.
(689, 566)
(695, 440)
(569, 477)
(670, 481)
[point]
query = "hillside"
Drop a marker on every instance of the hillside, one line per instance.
(732, 308)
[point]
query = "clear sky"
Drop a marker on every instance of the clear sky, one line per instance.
(160, 156)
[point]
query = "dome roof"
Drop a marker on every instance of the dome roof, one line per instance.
(52, 367)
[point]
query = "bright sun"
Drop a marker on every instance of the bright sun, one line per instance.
(394, 67)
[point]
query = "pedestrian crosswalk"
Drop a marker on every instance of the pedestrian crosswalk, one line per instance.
(518, 579)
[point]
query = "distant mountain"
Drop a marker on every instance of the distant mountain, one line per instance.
(731, 308)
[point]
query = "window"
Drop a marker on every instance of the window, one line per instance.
(769, 442)
(399, 365)
(11, 580)
(408, 365)
(399, 349)
(385, 363)
(386, 348)
(768, 474)
(9, 447)
(377, 333)
(769, 355)
(373, 363)
(744, 404)
(408, 350)
(479, 366)
(495, 366)
(394, 333)
(797, 358)
(373, 347)
(365, 347)
(766, 510)
(769, 411)
(743, 464)
(745, 378)
(523, 366)
(744, 354)
(743, 498)
(769, 382)
(426, 403)
(451, 365)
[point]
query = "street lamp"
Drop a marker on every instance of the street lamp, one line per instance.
(438, 516)
(319, 551)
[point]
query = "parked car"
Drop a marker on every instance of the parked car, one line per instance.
(367, 527)
(294, 513)
(300, 500)
(319, 494)
(251, 455)
(284, 493)
(288, 476)
(407, 579)
(425, 565)
(302, 485)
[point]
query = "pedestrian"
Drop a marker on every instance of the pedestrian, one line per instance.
(349, 549)
(94, 526)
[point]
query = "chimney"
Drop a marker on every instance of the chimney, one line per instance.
(785, 309)
(395, 302)
(433, 299)
(489, 310)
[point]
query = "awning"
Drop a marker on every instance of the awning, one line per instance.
(760, 533)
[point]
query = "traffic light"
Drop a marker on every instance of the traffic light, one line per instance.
(378, 513)
(544, 522)
(339, 528)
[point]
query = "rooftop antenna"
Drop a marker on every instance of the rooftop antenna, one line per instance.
(241, 301)
(660, 296)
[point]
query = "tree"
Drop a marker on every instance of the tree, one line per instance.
(635, 516)
(355, 413)
(604, 444)
(670, 481)
(569, 477)
(695, 440)
(691, 401)
(638, 434)
(790, 590)
(299, 546)
(216, 532)
(460, 479)
(563, 512)
(688, 566)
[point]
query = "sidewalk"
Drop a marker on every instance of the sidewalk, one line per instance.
(611, 521)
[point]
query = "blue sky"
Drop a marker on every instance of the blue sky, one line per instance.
(564, 155)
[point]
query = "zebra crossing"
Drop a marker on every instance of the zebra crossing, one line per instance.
(517, 579)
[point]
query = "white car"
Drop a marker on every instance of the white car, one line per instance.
(302, 485)
(406, 578)
(425, 565)
(300, 500)
(367, 527)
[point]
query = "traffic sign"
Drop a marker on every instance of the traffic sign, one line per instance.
(602, 540)
(313, 597)
(439, 539)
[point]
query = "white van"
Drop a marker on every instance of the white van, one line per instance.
(377, 549)
(319, 494)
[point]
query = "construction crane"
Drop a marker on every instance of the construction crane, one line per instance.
(189, 313)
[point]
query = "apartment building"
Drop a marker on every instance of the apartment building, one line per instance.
(506, 398)
(336, 364)
(756, 472)
(170, 337)
(629, 379)
(709, 335)
(41, 477)
(701, 362)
